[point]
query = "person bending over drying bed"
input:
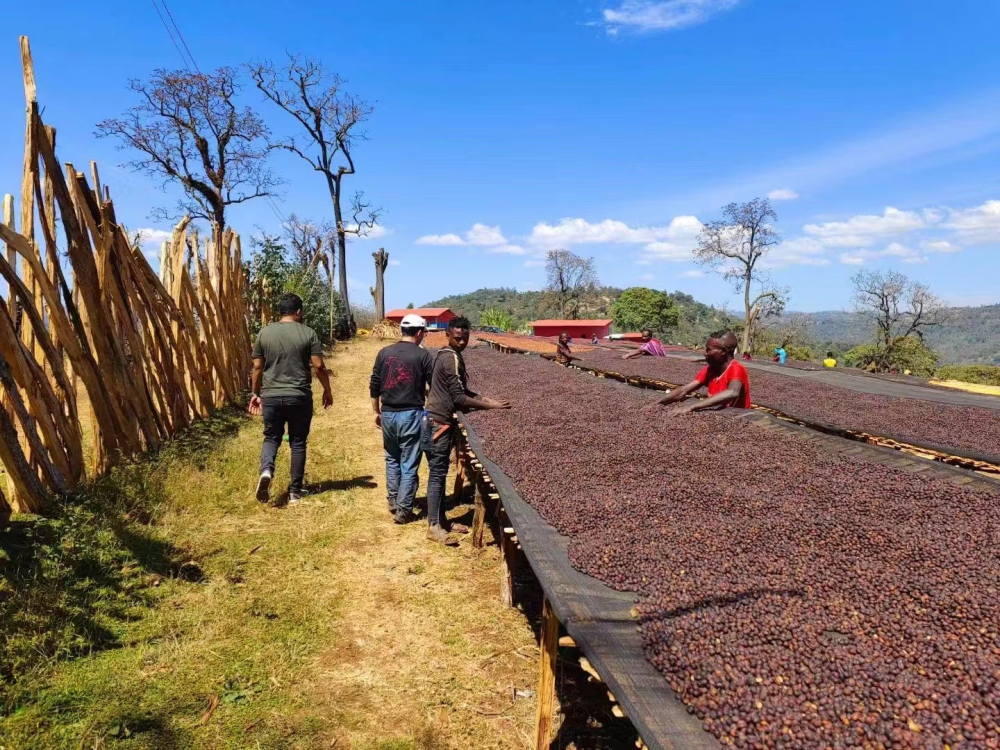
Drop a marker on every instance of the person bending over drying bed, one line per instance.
(564, 355)
(650, 347)
(726, 379)
(449, 393)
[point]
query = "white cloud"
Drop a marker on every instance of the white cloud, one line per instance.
(978, 224)
(440, 239)
(940, 246)
(154, 236)
(783, 194)
(483, 236)
(694, 273)
(867, 230)
(374, 233)
(394, 262)
(663, 15)
(893, 251)
(569, 232)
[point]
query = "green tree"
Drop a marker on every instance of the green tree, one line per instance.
(498, 319)
(640, 307)
(272, 271)
(903, 353)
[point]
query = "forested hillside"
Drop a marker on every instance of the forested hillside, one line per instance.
(697, 319)
(972, 334)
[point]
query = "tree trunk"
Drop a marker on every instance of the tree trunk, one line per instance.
(381, 261)
(342, 258)
(746, 313)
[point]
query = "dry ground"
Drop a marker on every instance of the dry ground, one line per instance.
(323, 625)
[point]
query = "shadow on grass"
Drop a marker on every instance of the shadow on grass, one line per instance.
(68, 578)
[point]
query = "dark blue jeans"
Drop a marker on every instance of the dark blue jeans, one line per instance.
(401, 440)
(438, 460)
(296, 412)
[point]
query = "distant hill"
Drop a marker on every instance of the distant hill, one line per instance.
(697, 319)
(972, 335)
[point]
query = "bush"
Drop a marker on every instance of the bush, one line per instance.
(800, 353)
(904, 353)
(981, 374)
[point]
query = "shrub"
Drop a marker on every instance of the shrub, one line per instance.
(981, 374)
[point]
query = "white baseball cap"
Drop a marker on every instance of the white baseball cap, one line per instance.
(413, 321)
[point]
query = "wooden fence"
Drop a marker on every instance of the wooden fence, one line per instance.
(100, 357)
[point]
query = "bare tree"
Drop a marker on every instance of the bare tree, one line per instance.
(307, 239)
(735, 245)
(896, 305)
(189, 129)
(331, 119)
(570, 279)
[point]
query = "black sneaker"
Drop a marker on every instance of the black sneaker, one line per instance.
(264, 487)
(295, 497)
(402, 516)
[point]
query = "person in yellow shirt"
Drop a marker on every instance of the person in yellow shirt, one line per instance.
(830, 361)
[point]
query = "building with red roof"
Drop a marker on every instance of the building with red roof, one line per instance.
(436, 317)
(577, 329)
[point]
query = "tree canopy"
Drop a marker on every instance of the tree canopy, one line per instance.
(639, 308)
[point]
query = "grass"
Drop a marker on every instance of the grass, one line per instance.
(166, 608)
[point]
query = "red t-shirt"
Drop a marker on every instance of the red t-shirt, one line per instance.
(735, 371)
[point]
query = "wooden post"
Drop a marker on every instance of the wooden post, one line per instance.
(546, 677)
(508, 563)
(478, 517)
(459, 486)
(378, 292)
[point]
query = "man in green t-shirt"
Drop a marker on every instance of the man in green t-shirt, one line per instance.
(282, 391)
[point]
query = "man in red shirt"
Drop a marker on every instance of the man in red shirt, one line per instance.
(726, 379)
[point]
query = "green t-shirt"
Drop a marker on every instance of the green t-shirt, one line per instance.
(286, 349)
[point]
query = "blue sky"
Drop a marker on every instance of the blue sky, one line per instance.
(609, 127)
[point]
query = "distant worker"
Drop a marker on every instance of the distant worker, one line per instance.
(830, 361)
(593, 338)
(282, 391)
(398, 386)
(449, 393)
(563, 353)
(650, 347)
(780, 355)
(726, 379)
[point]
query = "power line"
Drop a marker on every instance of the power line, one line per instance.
(181, 36)
(167, 29)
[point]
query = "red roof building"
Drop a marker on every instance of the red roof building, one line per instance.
(436, 317)
(577, 329)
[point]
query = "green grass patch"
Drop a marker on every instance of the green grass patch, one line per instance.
(161, 606)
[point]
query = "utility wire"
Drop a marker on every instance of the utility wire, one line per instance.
(179, 35)
(170, 34)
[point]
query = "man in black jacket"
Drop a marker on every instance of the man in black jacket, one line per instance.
(397, 388)
(449, 393)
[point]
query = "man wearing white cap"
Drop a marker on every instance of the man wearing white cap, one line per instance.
(398, 385)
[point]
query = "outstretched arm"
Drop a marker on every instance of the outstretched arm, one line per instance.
(733, 392)
(679, 394)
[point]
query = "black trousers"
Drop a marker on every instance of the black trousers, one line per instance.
(296, 412)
